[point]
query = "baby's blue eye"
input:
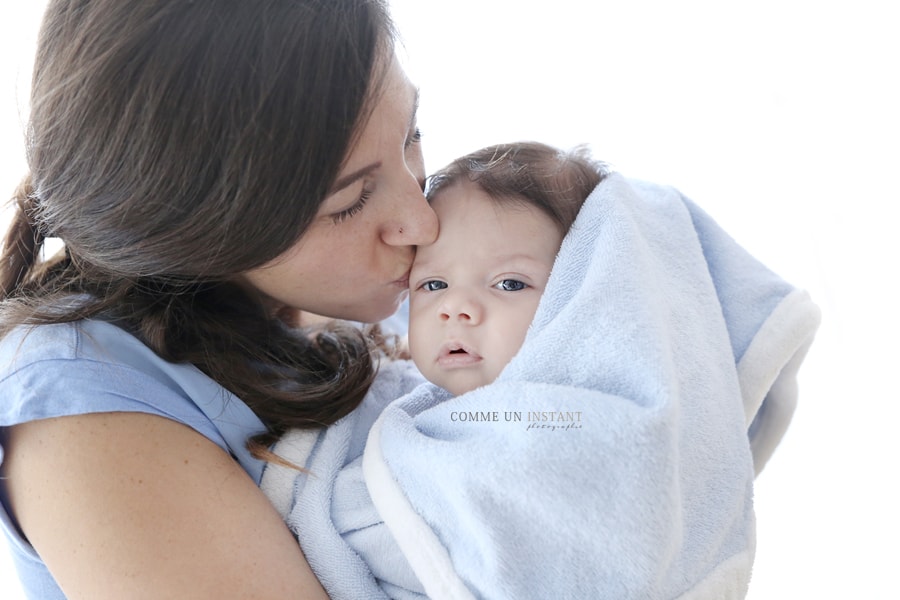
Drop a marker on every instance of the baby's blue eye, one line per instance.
(511, 285)
(433, 286)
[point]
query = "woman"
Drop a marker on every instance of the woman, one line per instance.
(212, 168)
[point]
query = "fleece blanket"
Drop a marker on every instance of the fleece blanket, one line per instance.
(614, 457)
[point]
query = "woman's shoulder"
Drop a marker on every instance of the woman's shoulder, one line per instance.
(102, 348)
(94, 366)
(79, 340)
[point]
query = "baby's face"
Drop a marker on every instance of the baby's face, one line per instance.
(474, 291)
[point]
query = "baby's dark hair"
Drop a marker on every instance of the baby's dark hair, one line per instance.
(553, 180)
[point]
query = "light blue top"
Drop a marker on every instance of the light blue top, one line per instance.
(93, 366)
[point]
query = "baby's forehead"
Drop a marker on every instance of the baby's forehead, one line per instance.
(459, 194)
(454, 191)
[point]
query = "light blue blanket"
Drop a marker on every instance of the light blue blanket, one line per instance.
(613, 458)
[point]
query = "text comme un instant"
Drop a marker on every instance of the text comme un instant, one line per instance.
(517, 416)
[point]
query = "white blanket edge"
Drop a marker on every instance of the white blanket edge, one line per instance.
(423, 550)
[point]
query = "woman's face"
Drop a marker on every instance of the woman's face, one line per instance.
(353, 261)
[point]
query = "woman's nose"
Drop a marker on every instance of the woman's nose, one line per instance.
(414, 223)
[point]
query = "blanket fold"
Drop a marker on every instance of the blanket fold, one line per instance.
(613, 457)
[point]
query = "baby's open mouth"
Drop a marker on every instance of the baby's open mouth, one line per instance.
(457, 353)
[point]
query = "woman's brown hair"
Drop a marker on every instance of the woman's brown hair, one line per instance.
(173, 145)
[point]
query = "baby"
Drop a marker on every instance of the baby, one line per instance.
(651, 496)
(503, 213)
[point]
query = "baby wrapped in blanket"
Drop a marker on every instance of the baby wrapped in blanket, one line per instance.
(608, 450)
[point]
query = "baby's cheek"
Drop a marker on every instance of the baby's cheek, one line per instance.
(414, 344)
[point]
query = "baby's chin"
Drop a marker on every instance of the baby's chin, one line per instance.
(456, 381)
(458, 388)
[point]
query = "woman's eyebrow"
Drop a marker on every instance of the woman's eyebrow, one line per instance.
(351, 177)
(348, 179)
(415, 108)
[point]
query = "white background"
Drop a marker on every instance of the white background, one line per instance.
(781, 119)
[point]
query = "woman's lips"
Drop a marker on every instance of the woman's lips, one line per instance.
(402, 281)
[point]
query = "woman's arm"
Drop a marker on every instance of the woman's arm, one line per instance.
(129, 505)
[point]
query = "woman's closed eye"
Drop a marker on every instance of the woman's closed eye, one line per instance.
(348, 213)
(414, 137)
